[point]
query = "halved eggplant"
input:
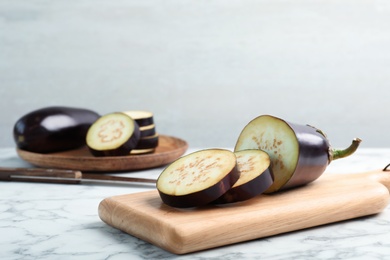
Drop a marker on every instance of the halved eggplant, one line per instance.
(198, 178)
(114, 134)
(53, 129)
(143, 118)
(299, 153)
(255, 176)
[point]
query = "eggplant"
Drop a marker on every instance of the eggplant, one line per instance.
(299, 153)
(136, 151)
(149, 137)
(147, 142)
(53, 129)
(198, 178)
(255, 176)
(148, 130)
(114, 134)
(143, 118)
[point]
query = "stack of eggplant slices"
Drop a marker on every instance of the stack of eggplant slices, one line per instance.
(123, 133)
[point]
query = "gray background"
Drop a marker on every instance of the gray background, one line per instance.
(205, 68)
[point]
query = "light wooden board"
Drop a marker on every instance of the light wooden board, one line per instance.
(331, 198)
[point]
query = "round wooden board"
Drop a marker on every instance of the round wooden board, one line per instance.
(168, 150)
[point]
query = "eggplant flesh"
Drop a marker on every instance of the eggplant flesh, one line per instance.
(53, 129)
(299, 153)
(198, 178)
(114, 134)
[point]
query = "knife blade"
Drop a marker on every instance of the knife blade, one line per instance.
(63, 176)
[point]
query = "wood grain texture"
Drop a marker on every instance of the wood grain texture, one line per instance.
(169, 149)
(332, 198)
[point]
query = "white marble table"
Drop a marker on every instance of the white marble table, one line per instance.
(58, 221)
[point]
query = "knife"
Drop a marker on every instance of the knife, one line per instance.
(62, 176)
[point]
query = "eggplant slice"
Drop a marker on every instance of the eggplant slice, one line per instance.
(148, 142)
(198, 178)
(142, 151)
(143, 118)
(148, 130)
(114, 134)
(255, 176)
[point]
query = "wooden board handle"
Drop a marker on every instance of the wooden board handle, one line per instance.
(381, 176)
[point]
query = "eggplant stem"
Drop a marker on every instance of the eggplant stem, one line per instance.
(338, 154)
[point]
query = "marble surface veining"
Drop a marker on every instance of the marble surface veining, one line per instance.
(57, 221)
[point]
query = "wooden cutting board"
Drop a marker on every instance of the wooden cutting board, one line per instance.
(331, 198)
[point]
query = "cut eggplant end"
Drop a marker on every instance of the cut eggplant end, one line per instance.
(198, 178)
(143, 118)
(147, 142)
(278, 139)
(114, 134)
(255, 176)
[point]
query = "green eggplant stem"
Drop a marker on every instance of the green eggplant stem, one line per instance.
(337, 154)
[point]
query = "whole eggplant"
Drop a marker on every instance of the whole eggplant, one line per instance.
(53, 129)
(299, 153)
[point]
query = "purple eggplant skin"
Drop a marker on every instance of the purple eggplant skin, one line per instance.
(148, 142)
(247, 190)
(53, 129)
(315, 154)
